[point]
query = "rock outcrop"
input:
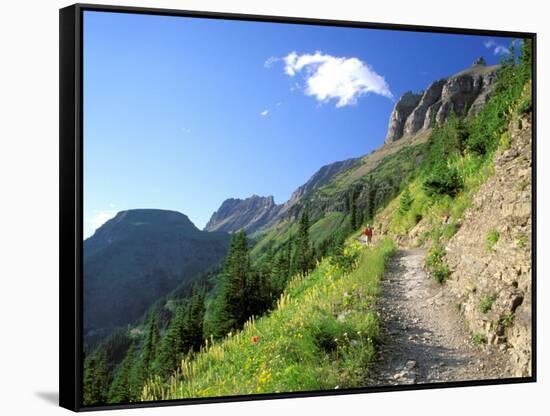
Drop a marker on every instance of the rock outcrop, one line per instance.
(404, 107)
(248, 214)
(320, 178)
(255, 213)
(490, 255)
(465, 92)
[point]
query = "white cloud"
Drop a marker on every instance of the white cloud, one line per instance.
(501, 50)
(270, 61)
(279, 104)
(497, 49)
(295, 87)
(328, 77)
(264, 113)
(97, 219)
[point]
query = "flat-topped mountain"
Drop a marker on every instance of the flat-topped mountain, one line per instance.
(466, 91)
(139, 256)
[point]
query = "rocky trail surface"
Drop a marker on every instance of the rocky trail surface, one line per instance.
(424, 339)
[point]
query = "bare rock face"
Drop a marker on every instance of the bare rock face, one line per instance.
(247, 214)
(256, 213)
(490, 279)
(417, 119)
(463, 93)
(406, 104)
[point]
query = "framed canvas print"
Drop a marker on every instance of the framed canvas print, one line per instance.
(256, 207)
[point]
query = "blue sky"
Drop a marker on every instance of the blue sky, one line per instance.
(184, 113)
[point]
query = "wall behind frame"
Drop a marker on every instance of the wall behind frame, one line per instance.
(29, 230)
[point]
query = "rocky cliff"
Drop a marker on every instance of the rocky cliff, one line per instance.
(490, 255)
(254, 213)
(248, 214)
(466, 91)
(322, 176)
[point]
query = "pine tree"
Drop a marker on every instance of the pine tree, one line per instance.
(195, 319)
(526, 59)
(121, 387)
(371, 198)
(280, 271)
(143, 368)
(152, 341)
(289, 262)
(173, 344)
(96, 379)
(353, 215)
(231, 309)
(258, 292)
(303, 261)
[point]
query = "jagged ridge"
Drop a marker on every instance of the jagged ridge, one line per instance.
(257, 212)
(466, 91)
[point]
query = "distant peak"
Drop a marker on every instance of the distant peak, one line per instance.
(480, 61)
(149, 213)
(149, 216)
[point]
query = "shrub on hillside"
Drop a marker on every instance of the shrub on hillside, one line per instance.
(443, 180)
(405, 201)
(436, 264)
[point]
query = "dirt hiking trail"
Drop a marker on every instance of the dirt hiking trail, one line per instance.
(423, 336)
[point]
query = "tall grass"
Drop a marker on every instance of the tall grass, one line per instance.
(322, 335)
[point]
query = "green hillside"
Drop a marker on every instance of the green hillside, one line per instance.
(293, 308)
(322, 335)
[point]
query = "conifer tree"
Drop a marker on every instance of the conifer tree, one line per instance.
(195, 319)
(173, 344)
(371, 198)
(353, 214)
(96, 379)
(281, 269)
(303, 261)
(121, 387)
(231, 309)
(143, 368)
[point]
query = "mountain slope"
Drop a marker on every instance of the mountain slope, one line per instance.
(247, 214)
(137, 257)
(490, 256)
(256, 213)
(330, 188)
(320, 178)
(321, 336)
(415, 190)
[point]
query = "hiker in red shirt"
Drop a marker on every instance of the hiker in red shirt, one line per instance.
(368, 233)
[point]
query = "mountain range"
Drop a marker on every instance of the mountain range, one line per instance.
(140, 255)
(411, 120)
(136, 258)
(256, 213)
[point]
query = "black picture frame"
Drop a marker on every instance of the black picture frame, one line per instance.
(71, 201)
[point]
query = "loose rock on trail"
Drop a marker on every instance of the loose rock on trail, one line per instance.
(423, 336)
